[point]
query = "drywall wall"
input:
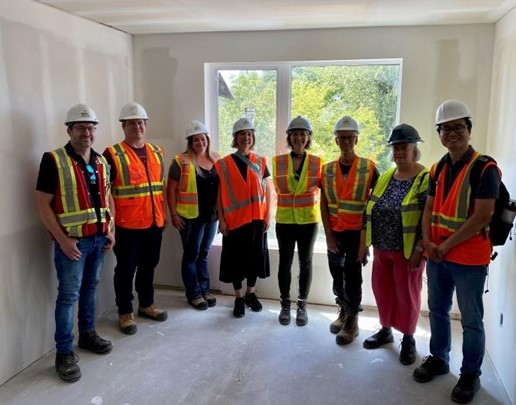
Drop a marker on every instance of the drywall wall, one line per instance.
(49, 61)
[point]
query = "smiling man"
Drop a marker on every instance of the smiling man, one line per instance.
(457, 211)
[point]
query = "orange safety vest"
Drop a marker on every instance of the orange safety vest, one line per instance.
(242, 201)
(138, 188)
(72, 203)
(297, 200)
(187, 204)
(451, 211)
(347, 197)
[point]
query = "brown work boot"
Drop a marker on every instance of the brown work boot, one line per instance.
(337, 325)
(127, 324)
(349, 331)
(153, 312)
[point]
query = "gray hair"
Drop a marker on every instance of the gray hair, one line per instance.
(417, 153)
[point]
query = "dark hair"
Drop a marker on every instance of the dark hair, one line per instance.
(308, 144)
(467, 120)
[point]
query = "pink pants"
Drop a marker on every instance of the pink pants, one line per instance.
(397, 290)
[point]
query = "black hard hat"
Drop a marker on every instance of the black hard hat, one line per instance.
(404, 133)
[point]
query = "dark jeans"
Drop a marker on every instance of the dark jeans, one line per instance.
(137, 251)
(78, 281)
(346, 270)
(197, 237)
(305, 236)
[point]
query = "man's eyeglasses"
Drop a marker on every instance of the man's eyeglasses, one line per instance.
(458, 129)
(83, 128)
(91, 172)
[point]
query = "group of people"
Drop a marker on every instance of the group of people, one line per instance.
(411, 216)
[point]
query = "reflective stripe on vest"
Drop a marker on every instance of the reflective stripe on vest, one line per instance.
(74, 209)
(451, 211)
(242, 202)
(411, 211)
(297, 201)
(187, 204)
(347, 198)
(138, 187)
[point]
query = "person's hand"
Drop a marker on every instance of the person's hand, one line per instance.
(332, 243)
(363, 254)
(223, 229)
(433, 251)
(69, 248)
(414, 261)
(110, 242)
(177, 222)
(266, 224)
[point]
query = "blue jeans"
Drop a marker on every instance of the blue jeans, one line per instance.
(77, 280)
(443, 279)
(197, 237)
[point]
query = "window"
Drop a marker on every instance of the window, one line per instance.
(273, 93)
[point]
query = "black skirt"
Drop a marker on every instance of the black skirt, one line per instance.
(244, 253)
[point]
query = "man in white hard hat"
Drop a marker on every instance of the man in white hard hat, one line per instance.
(346, 183)
(73, 201)
(138, 182)
(458, 208)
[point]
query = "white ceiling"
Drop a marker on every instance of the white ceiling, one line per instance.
(172, 16)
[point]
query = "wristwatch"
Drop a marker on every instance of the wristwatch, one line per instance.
(419, 249)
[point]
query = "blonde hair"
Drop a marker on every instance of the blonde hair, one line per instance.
(417, 152)
(212, 156)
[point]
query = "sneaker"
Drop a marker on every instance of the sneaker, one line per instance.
(239, 309)
(337, 325)
(252, 302)
(198, 303)
(67, 368)
(127, 324)
(466, 388)
(408, 350)
(284, 315)
(153, 312)
(382, 337)
(301, 314)
(431, 367)
(94, 343)
(349, 331)
(210, 299)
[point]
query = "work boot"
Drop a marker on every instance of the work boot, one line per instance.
(284, 315)
(67, 368)
(337, 325)
(382, 337)
(408, 350)
(252, 302)
(199, 303)
(466, 388)
(301, 314)
(153, 312)
(431, 367)
(127, 324)
(210, 299)
(239, 309)
(94, 343)
(350, 329)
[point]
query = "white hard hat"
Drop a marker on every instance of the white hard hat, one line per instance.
(133, 111)
(81, 113)
(299, 122)
(451, 110)
(346, 123)
(243, 123)
(194, 128)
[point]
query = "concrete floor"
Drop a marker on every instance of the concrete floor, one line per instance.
(209, 357)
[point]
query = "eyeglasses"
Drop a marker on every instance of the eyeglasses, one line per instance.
(344, 138)
(83, 128)
(458, 129)
(91, 172)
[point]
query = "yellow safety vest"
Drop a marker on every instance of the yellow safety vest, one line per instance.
(187, 204)
(298, 200)
(410, 209)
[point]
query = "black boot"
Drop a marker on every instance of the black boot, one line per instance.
(239, 309)
(67, 368)
(284, 316)
(301, 314)
(94, 343)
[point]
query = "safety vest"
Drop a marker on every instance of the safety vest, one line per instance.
(451, 211)
(138, 188)
(187, 204)
(242, 201)
(410, 209)
(72, 203)
(347, 198)
(297, 200)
